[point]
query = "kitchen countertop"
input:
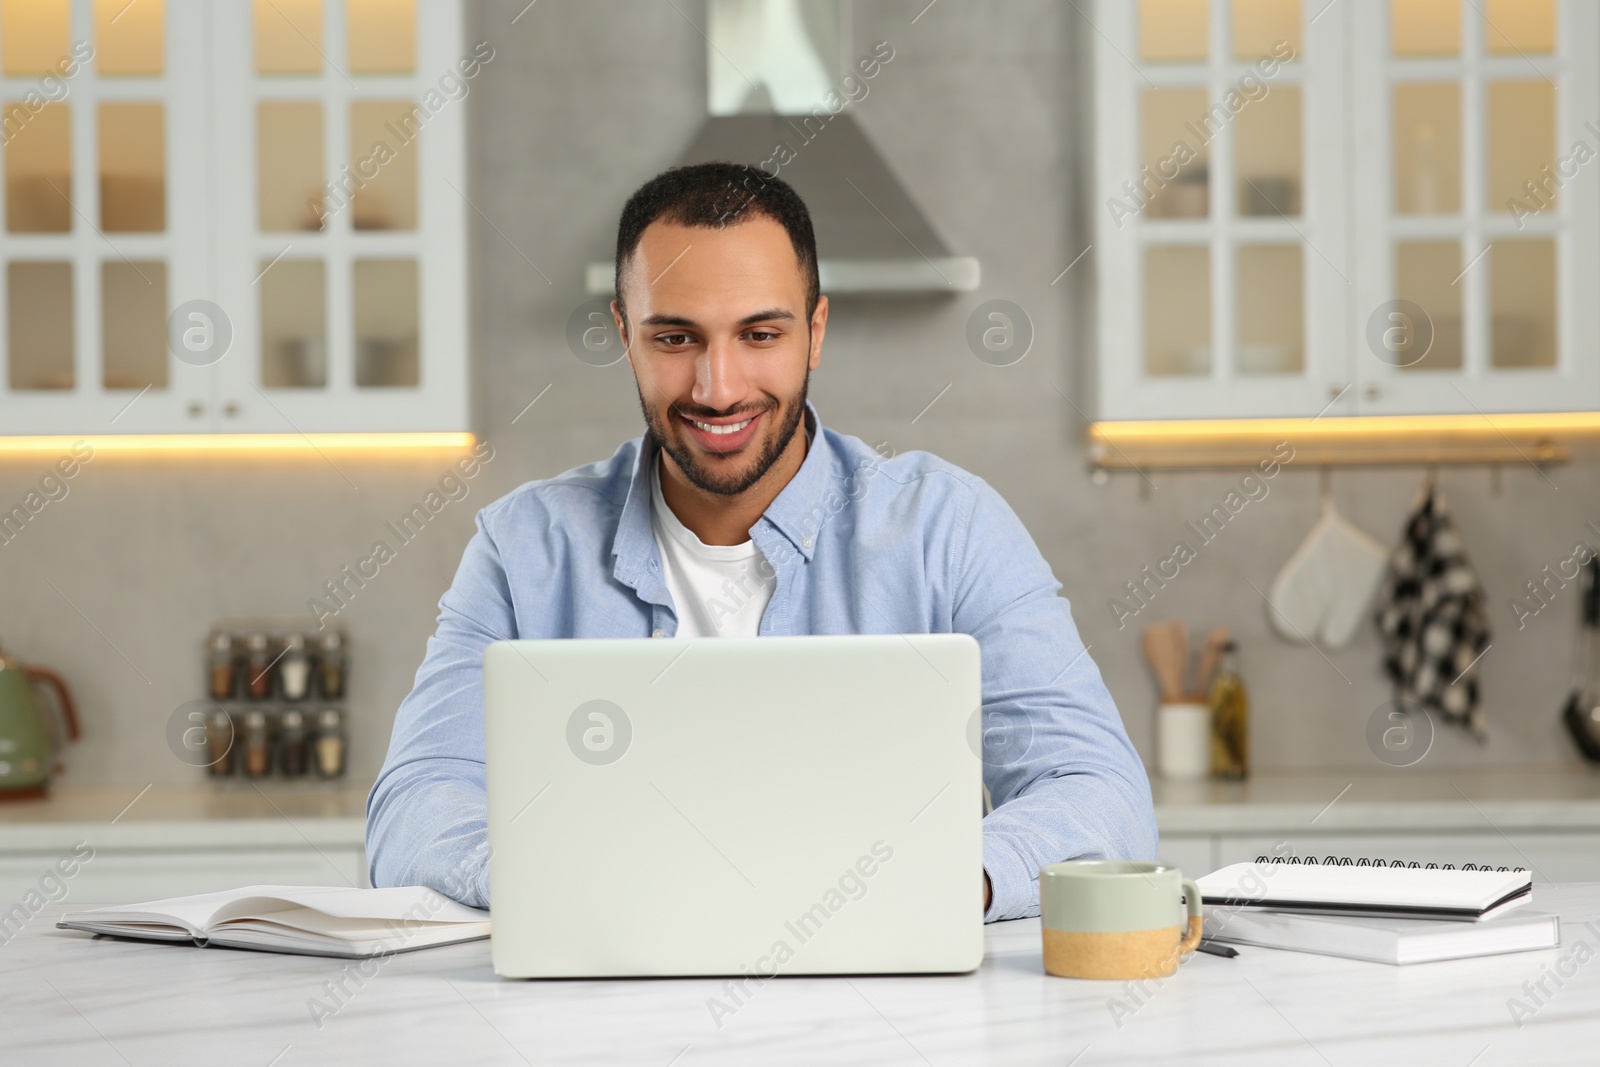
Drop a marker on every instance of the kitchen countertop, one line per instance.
(1391, 800)
(199, 816)
(75, 1000)
(1326, 801)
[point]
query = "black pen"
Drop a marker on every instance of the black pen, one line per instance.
(1218, 950)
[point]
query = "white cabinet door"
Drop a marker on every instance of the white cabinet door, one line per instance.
(240, 217)
(1476, 261)
(1220, 236)
(341, 215)
(104, 221)
(1389, 221)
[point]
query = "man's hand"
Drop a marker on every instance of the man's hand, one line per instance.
(988, 891)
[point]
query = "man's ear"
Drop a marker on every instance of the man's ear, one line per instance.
(622, 329)
(819, 326)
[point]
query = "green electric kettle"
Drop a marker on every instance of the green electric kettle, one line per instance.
(27, 751)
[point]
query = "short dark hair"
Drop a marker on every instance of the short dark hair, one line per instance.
(713, 196)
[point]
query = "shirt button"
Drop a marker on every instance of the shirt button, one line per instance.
(805, 542)
(658, 633)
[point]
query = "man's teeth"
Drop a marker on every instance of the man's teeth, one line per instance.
(730, 428)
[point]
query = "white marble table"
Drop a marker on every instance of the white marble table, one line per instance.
(70, 999)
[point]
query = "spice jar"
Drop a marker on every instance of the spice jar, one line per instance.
(257, 744)
(294, 669)
(292, 749)
(224, 672)
(332, 665)
(330, 743)
(258, 667)
(219, 743)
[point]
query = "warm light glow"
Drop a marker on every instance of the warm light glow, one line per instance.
(226, 442)
(1365, 441)
(1367, 428)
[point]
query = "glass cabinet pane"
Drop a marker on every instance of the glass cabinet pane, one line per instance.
(133, 324)
(294, 324)
(1522, 142)
(1175, 181)
(1260, 26)
(1271, 323)
(381, 36)
(1427, 148)
(1269, 153)
(1425, 27)
(1427, 274)
(1173, 31)
(289, 173)
(35, 35)
(386, 322)
(288, 36)
(1522, 303)
(1519, 27)
(1177, 311)
(38, 162)
(39, 325)
(383, 164)
(133, 188)
(129, 37)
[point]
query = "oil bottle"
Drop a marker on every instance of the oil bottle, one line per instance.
(1230, 719)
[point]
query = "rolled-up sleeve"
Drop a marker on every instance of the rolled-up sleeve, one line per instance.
(427, 815)
(1065, 780)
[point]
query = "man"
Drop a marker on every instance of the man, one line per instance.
(737, 514)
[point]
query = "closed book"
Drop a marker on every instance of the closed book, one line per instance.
(304, 920)
(1383, 940)
(1394, 891)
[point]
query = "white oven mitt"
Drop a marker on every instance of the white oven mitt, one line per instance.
(1322, 592)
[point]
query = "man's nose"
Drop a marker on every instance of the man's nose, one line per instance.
(719, 381)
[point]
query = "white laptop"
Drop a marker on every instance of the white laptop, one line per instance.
(734, 806)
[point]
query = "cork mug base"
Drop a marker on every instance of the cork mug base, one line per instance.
(1122, 954)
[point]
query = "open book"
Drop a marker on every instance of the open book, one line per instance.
(308, 920)
(1393, 891)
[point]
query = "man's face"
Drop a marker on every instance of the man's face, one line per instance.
(720, 346)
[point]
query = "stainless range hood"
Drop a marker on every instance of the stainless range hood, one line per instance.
(783, 104)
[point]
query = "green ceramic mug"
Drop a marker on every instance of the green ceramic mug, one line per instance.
(1117, 918)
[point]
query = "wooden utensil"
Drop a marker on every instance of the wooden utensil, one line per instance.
(1166, 648)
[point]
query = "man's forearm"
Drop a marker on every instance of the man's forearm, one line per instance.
(428, 828)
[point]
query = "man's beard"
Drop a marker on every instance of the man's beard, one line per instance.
(728, 485)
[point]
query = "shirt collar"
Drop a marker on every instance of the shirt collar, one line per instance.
(795, 512)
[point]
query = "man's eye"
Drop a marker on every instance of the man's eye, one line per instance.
(673, 339)
(761, 335)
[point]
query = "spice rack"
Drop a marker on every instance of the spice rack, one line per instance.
(277, 689)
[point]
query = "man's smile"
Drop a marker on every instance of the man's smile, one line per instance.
(723, 435)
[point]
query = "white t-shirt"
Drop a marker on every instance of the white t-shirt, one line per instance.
(718, 590)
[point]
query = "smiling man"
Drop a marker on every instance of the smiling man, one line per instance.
(738, 514)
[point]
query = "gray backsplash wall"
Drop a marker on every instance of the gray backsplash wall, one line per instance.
(116, 584)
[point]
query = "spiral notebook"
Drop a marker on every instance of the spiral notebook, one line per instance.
(1368, 888)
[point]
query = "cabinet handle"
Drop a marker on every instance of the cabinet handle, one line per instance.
(196, 409)
(1371, 392)
(230, 409)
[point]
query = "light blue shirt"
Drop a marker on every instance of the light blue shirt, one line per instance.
(861, 543)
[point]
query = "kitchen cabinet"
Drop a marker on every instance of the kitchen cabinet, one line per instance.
(127, 875)
(116, 844)
(1308, 209)
(234, 218)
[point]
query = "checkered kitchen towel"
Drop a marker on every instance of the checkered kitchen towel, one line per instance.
(1432, 619)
